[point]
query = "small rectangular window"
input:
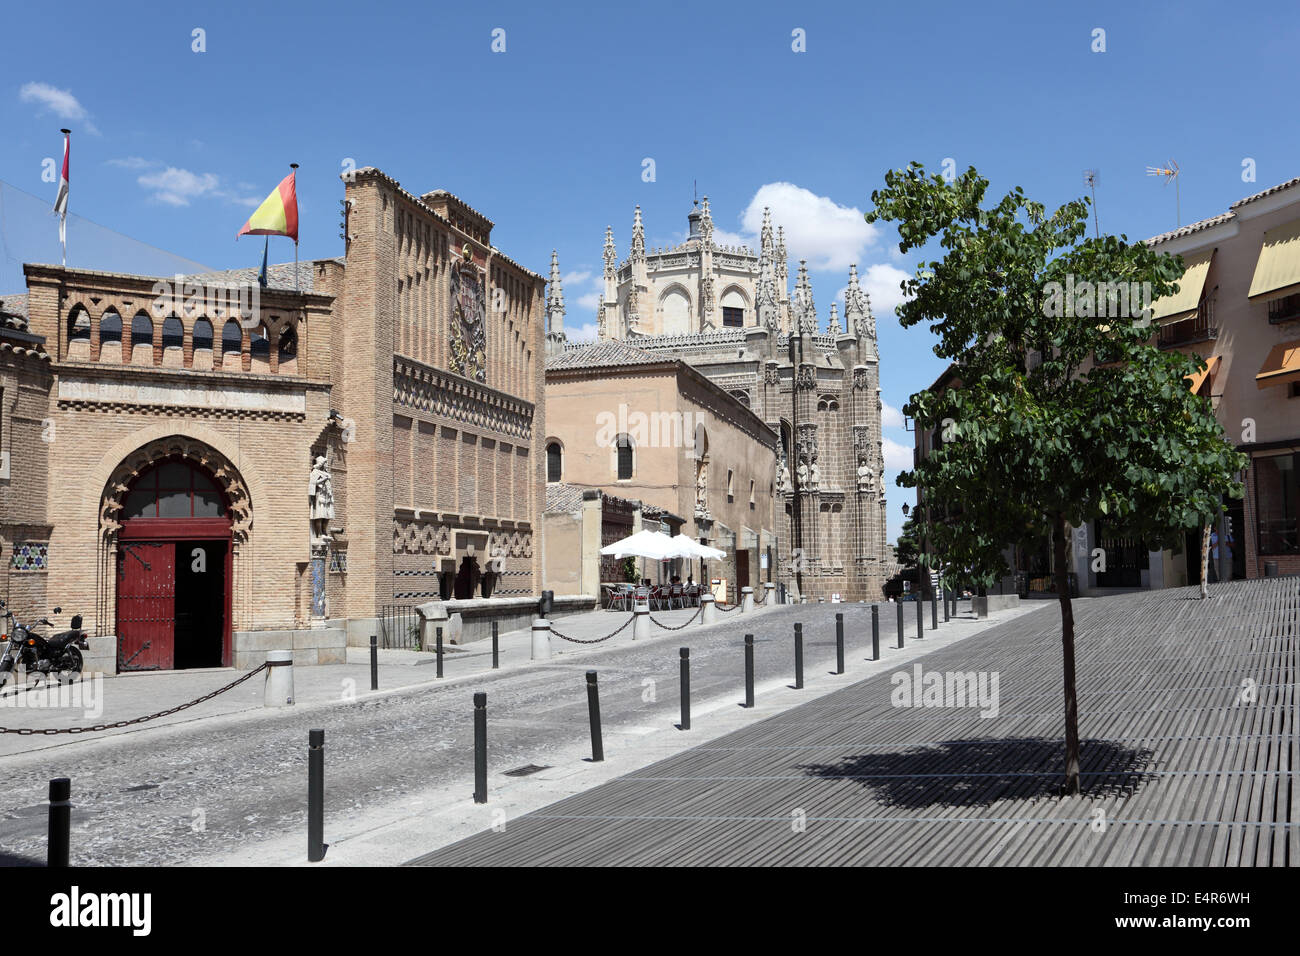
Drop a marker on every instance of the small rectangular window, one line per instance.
(733, 317)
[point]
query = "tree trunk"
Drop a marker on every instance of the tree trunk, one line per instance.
(1061, 550)
(1205, 561)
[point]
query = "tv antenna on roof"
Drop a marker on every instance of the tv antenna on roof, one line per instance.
(1090, 180)
(1170, 173)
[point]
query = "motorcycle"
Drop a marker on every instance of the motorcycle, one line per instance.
(58, 654)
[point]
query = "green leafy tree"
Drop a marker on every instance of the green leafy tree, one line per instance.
(1038, 436)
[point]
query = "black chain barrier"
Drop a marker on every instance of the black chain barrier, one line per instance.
(578, 640)
(725, 608)
(51, 731)
(678, 627)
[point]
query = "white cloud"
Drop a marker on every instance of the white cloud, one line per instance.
(583, 333)
(897, 457)
(134, 162)
(589, 301)
(817, 228)
(890, 417)
(881, 282)
(724, 238)
(177, 187)
(51, 99)
(575, 278)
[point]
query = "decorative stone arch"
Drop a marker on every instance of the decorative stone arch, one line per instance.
(240, 480)
(675, 324)
(737, 290)
(210, 460)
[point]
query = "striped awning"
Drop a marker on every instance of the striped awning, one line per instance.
(1281, 366)
(1278, 265)
(1184, 302)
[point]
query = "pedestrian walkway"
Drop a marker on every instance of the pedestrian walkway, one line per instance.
(105, 700)
(1189, 753)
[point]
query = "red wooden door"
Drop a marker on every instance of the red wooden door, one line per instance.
(146, 605)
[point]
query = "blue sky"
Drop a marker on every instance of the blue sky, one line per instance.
(173, 148)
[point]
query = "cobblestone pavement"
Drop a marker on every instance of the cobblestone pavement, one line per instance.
(198, 789)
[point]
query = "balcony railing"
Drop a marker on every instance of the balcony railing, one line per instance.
(1285, 309)
(1199, 328)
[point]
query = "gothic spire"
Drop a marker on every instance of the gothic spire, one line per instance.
(706, 223)
(805, 312)
(638, 237)
(765, 244)
(555, 298)
(834, 328)
(611, 255)
(857, 308)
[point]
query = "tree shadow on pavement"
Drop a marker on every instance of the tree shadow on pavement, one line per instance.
(977, 773)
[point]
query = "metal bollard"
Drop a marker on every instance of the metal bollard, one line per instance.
(945, 606)
(593, 710)
(315, 796)
(900, 623)
(60, 833)
(277, 691)
(749, 670)
(686, 689)
(374, 662)
(875, 632)
(934, 611)
(839, 643)
(920, 616)
(640, 620)
(496, 652)
(798, 657)
(438, 637)
(541, 640)
(480, 748)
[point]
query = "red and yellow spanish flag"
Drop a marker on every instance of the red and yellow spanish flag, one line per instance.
(278, 214)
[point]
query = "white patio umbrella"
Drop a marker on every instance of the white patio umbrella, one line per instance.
(690, 548)
(644, 544)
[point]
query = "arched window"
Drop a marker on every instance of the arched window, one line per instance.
(110, 327)
(259, 344)
(288, 348)
(173, 333)
(202, 334)
(554, 461)
(79, 325)
(625, 461)
(141, 330)
(232, 337)
(174, 488)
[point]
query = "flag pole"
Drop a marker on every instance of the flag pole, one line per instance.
(294, 167)
(63, 212)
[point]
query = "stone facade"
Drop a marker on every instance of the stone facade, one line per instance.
(411, 366)
(729, 313)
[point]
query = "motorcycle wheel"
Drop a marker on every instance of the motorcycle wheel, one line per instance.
(70, 663)
(6, 669)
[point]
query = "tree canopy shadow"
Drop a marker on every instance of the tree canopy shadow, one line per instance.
(979, 772)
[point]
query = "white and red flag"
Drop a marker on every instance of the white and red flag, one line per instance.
(61, 201)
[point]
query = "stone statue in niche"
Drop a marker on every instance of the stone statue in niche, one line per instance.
(320, 492)
(802, 471)
(866, 477)
(816, 475)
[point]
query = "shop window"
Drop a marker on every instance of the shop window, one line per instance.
(1277, 502)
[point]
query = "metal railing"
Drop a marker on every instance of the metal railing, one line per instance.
(1198, 328)
(399, 627)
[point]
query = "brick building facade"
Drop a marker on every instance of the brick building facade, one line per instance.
(729, 313)
(161, 435)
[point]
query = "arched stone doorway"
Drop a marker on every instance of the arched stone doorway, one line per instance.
(173, 516)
